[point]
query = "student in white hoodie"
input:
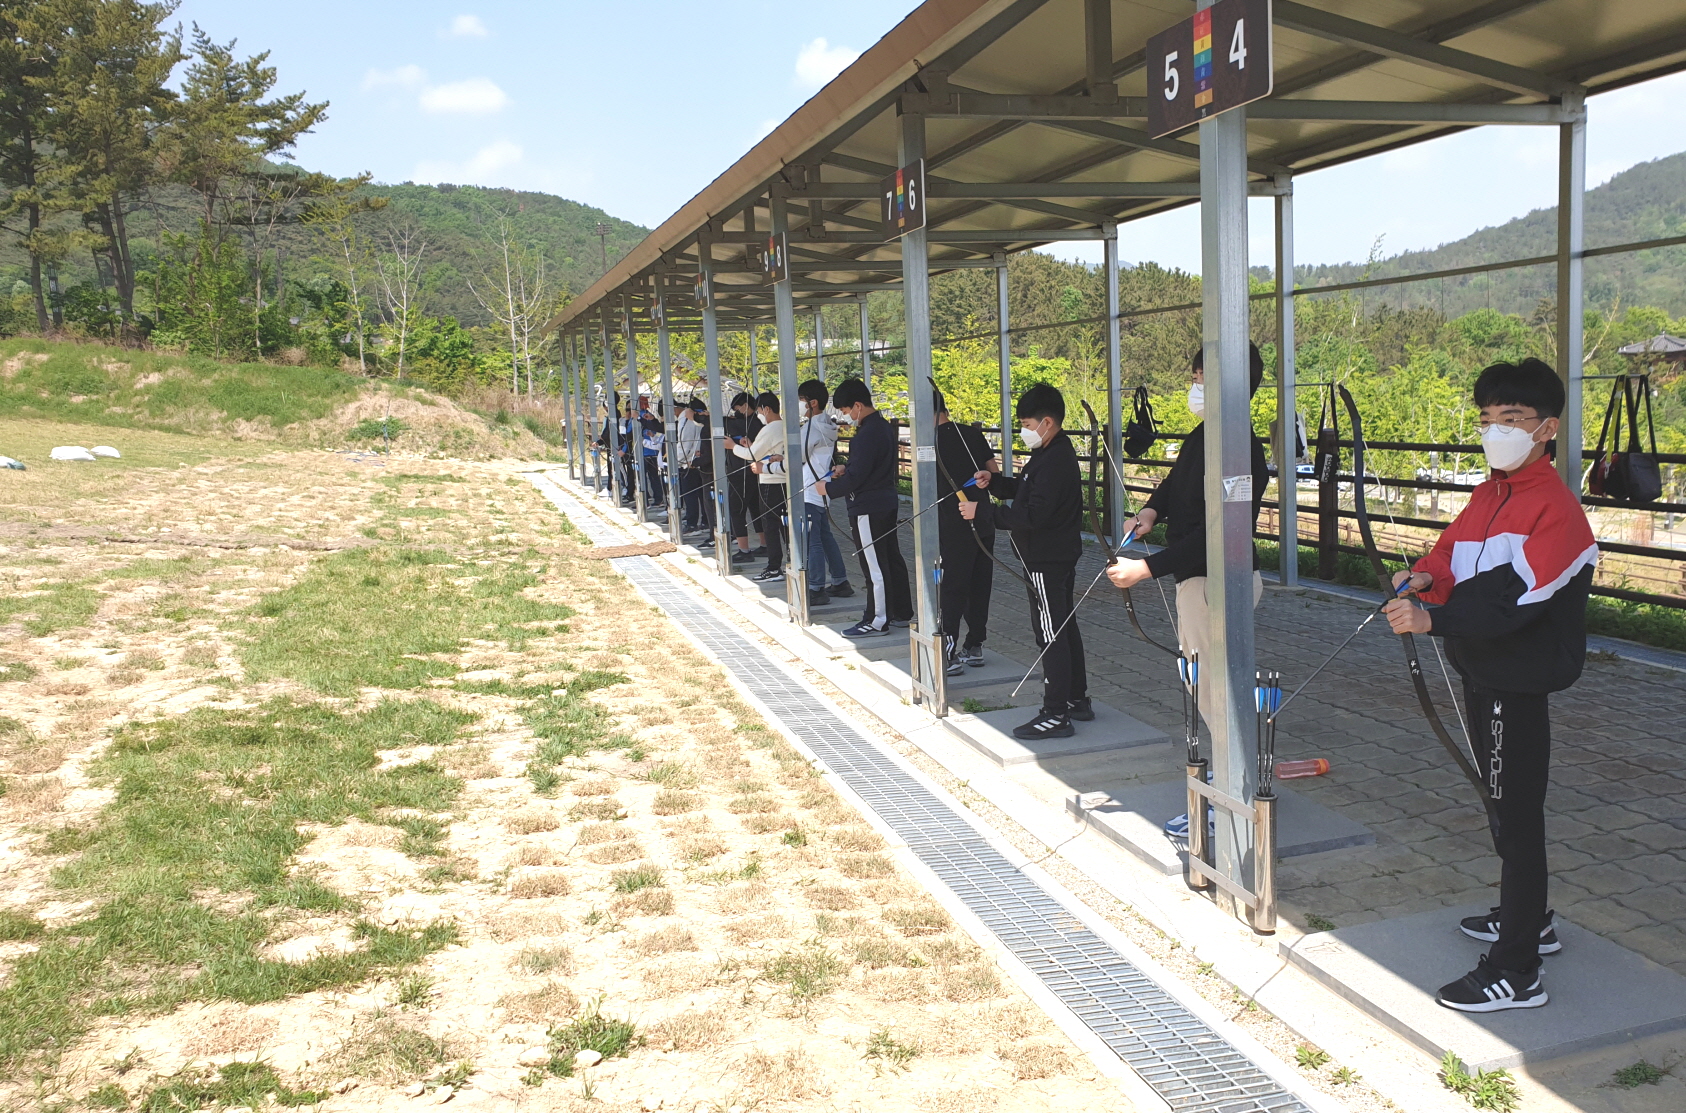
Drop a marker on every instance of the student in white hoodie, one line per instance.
(819, 442)
(766, 457)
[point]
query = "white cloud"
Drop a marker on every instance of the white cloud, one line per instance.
(819, 62)
(404, 77)
(468, 27)
(478, 96)
(484, 167)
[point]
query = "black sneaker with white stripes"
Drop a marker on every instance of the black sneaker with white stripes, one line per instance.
(1081, 710)
(865, 630)
(1046, 726)
(1486, 929)
(972, 655)
(768, 575)
(1487, 989)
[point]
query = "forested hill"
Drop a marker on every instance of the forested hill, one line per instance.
(1647, 201)
(458, 224)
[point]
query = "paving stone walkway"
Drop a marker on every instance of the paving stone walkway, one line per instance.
(1616, 812)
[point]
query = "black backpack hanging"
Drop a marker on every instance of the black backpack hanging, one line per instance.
(1143, 428)
(1328, 460)
(1631, 475)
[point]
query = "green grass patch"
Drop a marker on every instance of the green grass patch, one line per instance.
(1646, 623)
(233, 1084)
(1485, 1089)
(51, 608)
(99, 385)
(376, 429)
(211, 802)
(808, 972)
(17, 670)
(636, 879)
(884, 1050)
(387, 617)
(406, 478)
(591, 1030)
(1637, 1075)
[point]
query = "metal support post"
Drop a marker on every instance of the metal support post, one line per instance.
(790, 409)
(1571, 241)
(717, 402)
(670, 423)
(754, 380)
(1226, 668)
(927, 651)
(1114, 392)
(565, 357)
(819, 343)
(571, 411)
(866, 347)
(612, 424)
(1287, 402)
(635, 427)
(1004, 363)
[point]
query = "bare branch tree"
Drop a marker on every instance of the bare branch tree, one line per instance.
(514, 291)
(399, 271)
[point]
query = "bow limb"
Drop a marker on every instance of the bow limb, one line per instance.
(1409, 643)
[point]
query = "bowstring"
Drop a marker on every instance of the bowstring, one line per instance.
(1124, 492)
(1361, 488)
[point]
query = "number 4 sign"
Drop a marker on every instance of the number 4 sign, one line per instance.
(1215, 61)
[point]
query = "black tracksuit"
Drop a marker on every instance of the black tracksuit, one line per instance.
(968, 570)
(869, 483)
(1045, 519)
(742, 489)
(1511, 578)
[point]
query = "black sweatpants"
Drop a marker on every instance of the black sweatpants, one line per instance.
(968, 577)
(1064, 674)
(773, 524)
(1512, 734)
(883, 569)
(745, 502)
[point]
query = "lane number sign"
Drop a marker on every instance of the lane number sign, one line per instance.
(903, 195)
(1215, 61)
(704, 291)
(774, 264)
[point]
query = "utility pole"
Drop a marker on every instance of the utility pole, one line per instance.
(602, 233)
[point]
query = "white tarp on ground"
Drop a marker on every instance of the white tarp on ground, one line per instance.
(71, 452)
(8, 462)
(107, 450)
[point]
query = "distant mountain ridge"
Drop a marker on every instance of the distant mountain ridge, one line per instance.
(1644, 202)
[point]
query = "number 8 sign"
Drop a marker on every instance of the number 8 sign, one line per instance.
(1215, 61)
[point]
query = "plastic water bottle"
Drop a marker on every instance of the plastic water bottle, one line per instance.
(1294, 770)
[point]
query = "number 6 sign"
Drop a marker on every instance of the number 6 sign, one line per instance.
(1215, 61)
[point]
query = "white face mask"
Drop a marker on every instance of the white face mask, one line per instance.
(1032, 439)
(843, 418)
(1506, 446)
(1197, 400)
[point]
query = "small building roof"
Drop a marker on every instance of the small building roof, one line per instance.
(1662, 344)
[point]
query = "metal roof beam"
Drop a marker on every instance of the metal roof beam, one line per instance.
(1142, 141)
(878, 169)
(1394, 44)
(1405, 112)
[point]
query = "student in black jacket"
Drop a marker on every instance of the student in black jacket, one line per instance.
(1180, 502)
(968, 564)
(743, 494)
(1046, 523)
(869, 481)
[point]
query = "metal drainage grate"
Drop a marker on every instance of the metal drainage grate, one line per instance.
(1190, 1066)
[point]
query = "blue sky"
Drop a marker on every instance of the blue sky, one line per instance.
(635, 105)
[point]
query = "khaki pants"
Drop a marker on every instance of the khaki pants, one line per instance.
(1194, 629)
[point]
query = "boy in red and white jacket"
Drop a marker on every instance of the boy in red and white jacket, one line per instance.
(1507, 586)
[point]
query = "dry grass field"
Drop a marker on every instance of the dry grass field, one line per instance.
(340, 781)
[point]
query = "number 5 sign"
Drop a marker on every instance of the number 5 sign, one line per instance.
(1218, 60)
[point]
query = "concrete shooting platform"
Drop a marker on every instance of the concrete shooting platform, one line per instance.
(1601, 992)
(1135, 818)
(991, 734)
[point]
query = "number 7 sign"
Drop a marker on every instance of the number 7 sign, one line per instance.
(1215, 61)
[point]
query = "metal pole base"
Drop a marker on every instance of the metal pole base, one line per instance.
(1199, 833)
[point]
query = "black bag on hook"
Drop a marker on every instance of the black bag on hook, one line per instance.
(1631, 475)
(1328, 459)
(1143, 427)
